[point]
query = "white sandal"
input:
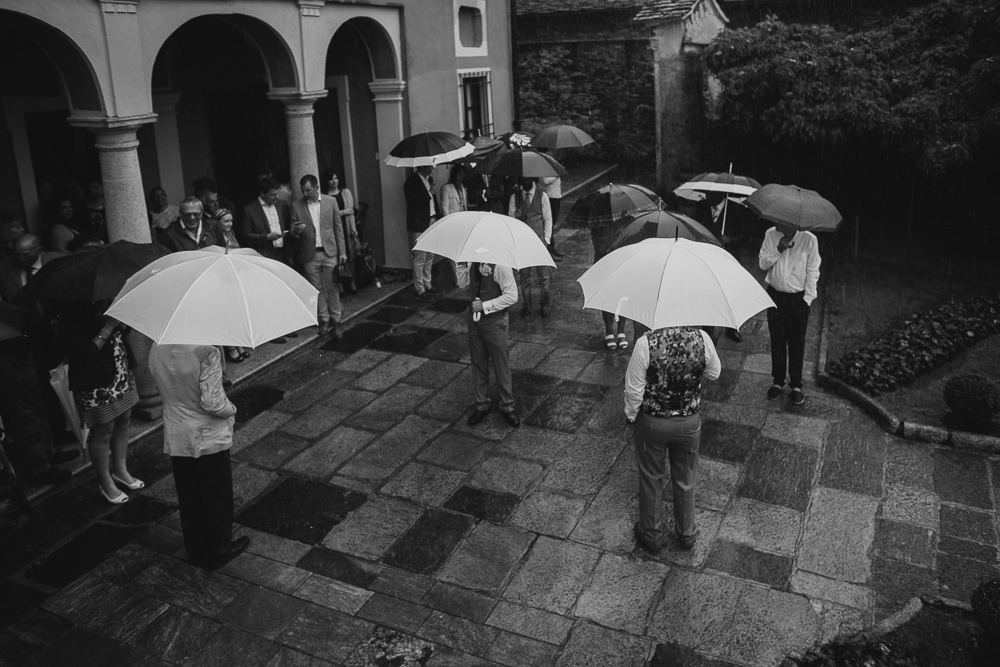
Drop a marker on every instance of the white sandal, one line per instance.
(622, 341)
(609, 341)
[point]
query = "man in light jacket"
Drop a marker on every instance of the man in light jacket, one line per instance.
(318, 245)
(198, 422)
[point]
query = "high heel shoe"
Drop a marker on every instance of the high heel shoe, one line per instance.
(120, 499)
(134, 486)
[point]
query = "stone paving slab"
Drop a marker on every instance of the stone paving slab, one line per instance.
(383, 527)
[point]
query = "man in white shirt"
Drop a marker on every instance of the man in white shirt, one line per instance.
(266, 221)
(791, 259)
(552, 187)
(493, 291)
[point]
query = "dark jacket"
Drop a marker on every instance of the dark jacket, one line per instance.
(253, 229)
(175, 239)
(418, 215)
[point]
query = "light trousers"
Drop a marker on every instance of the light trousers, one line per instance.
(320, 271)
(656, 440)
(423, 265)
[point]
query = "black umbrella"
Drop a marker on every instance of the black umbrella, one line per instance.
(93, 275)
(520, 162)
(610, 204)
(427, 149)
(662, 225)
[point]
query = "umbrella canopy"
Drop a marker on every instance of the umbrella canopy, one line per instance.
(490, 238)
(792, 205)
(610, 204)
(662, 225)
(561, 136)
(518, 139)
(674, 283)
(93, 275)
(523, 162)
(215, 297)
(11, 321)
(727, 182)
(428, 149)
(484, 149)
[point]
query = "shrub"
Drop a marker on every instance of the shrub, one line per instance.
(973, 398)
(986, 606)
(919, 344)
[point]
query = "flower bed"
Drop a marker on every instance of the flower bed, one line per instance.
(919, 344)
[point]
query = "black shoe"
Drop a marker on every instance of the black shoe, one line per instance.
(643, 542)
(433, 292)
(797, 397)
(51, 477)
(280, 340)
(226, 383)
(511, 418)
(686, 542)
(64, 456)
(236, 547)
(734, 335)
(335, 331)
(478, 416)
(424, 296)
(294, 334)
(774, 392)
(546, 311)
(526, 310)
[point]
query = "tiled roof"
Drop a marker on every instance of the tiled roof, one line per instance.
(566, 6)
(665, 9)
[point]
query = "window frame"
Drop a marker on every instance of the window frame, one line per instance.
(471, 51)
(462, 75)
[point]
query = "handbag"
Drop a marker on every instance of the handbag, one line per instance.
(59, 379)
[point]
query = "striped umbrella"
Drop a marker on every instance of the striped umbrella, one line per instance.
(520, 162)
(428, 149)
(662, 225)
(561, 136)
(726, 182)
(610, 204)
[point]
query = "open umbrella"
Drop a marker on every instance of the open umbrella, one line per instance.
(561, 136)
(93, 275)
(662, 225)
(610, 204)
(668, 282)
(518, 139)
(732, 185)
(795, 206)
(428, 149)
(484, 148)
(520, 162)
(216, 297)
(480, 236)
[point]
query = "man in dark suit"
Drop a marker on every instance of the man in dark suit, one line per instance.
(421, 211)
(266, 220)
(192, 231)
(18, 269)
(318, 245)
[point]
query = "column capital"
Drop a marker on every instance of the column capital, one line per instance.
(311, 7)
(297, 103)
(101, 124)
(387, 90)
(120, 6)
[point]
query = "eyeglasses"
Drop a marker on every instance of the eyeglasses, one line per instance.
(191, 215)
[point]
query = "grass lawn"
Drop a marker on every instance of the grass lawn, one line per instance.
(867, 296)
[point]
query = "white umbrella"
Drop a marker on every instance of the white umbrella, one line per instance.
(488, 238)
(216, 297)
(673, 283)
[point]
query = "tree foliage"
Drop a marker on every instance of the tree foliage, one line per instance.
(926, 85)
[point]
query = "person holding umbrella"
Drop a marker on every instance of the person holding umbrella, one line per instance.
(791, 259)
(493, 291)
(531, 206)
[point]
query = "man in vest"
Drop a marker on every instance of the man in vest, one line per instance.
(791, 259)
(531, 206)
(663, 400)
(493, 292)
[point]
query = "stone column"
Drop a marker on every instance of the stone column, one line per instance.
(124, 200)
(389, 125)
(301, 135)
(125, 208)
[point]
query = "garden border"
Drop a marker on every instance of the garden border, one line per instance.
(884, 417)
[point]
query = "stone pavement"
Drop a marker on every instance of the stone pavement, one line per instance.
(385, 531)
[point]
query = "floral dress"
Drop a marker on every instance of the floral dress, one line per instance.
(101, 405)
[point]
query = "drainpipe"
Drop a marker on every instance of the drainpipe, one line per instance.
(513, 61)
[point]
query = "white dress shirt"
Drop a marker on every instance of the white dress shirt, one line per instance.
(272, 222)
(635, 376)
(504, 276)
(430, 191)
(314, 213)
(796, 269)
(551, 185)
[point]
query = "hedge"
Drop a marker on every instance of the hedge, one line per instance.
(919, 344)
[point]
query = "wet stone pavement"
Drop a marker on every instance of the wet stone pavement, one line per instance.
(386, 531)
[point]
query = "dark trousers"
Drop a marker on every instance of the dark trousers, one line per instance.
(657, 441)
(488, 341)
(555, 203)
(23, 413)
(205, 495)
(787, 326)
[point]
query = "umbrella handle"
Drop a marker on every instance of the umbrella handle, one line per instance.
(476, 315)
(618, 308)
